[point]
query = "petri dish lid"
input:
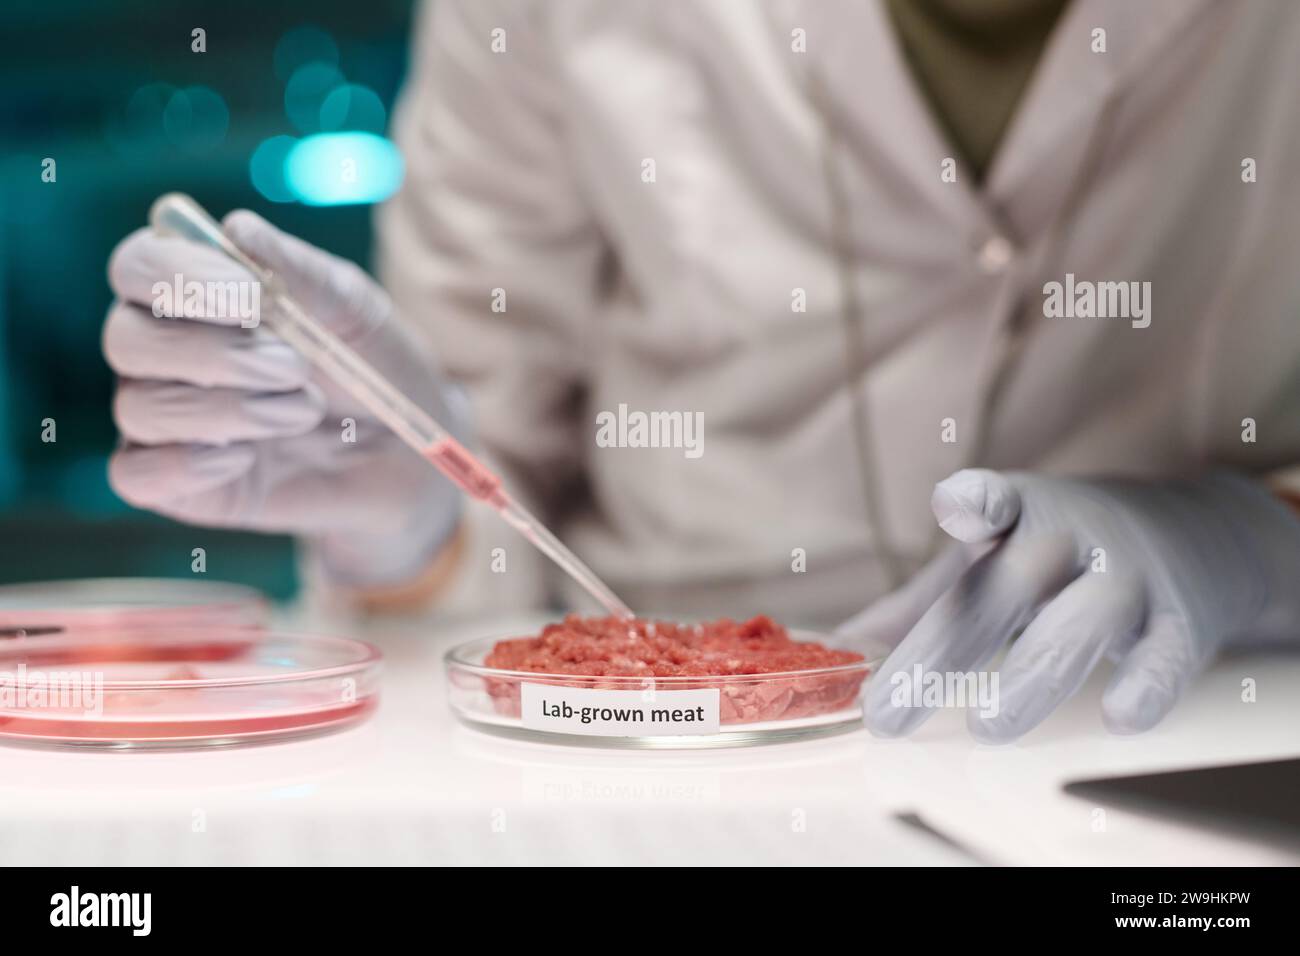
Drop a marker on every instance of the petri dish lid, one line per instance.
(180, 688)
(42, 607)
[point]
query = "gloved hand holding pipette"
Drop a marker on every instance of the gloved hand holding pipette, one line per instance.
(230, 427)
(360, 323)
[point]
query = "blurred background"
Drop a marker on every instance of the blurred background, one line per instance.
(118, 96)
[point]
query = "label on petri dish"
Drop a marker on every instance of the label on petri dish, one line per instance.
(619, 713)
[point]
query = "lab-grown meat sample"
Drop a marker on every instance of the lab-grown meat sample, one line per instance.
(762, 673)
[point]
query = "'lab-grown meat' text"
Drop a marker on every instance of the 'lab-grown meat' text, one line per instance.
(761, 672)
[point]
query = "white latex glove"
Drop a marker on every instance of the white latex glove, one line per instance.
(227, 426)
(1189, 566)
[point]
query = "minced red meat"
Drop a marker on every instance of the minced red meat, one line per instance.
(611, 647)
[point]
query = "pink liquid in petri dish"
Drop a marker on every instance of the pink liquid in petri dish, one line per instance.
(228, 728)
(180, 689)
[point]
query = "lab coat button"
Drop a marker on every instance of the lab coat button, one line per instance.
(995, 254)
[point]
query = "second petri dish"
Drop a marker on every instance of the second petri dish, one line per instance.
(95, 603)
(176, 688)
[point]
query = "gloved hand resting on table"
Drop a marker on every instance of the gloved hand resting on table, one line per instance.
(1188, 567)
(227, 426)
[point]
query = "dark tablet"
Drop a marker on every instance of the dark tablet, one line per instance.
(1262, 798)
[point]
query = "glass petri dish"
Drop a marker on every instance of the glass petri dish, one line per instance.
(45, 607)
(154, 689)
(671, 713)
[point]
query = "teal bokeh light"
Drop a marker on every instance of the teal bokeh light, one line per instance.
(135, 131)
(334, 169)
(266, 168)
(301, 46)
(353, 107)
(196, 118)
(306, 93)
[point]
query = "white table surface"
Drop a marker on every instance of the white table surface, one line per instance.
(412, 786)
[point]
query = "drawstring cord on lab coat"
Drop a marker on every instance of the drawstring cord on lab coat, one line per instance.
(1019, 319)
(1014, 327)
(854, 338)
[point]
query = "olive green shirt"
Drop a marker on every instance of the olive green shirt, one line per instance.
(973, 59)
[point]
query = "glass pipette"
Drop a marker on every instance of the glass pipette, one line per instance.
(176, 214)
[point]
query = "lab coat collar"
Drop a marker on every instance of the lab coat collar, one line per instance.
(884, 118)
(1073, 83)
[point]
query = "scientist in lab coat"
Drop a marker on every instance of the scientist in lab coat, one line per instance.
(988, 314)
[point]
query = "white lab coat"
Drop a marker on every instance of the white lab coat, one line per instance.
(526, 173)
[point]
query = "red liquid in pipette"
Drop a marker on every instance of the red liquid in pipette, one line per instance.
(470, 475)
(477, 481)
